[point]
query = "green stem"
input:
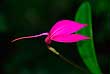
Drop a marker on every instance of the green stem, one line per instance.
(68, 61)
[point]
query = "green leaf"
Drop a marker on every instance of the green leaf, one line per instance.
(86, 47)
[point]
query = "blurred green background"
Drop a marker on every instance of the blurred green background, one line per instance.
(31, 56)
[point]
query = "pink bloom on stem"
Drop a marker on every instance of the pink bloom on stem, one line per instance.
(62, 32)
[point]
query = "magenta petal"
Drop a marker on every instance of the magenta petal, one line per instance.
(69, 38)
(65, 27)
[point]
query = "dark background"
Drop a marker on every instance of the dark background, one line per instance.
(31, 56)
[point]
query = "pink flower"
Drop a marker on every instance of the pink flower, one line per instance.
(61, 32)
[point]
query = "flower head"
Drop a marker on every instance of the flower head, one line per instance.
(62, 31)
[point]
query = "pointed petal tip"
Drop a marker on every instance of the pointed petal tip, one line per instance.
(86, 38)
(86, 24)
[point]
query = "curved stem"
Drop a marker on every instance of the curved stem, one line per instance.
(26, 37)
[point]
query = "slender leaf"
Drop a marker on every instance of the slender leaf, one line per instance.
(86, 48)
